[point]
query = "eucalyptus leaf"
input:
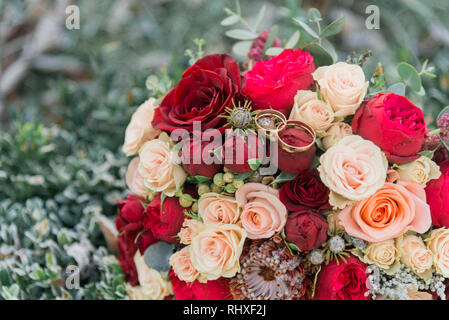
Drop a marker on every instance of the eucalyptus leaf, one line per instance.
(442, 112)
(410, 76)
(274, 51)
(333, 28)
(271, 37)
(157, 256)
(314, 15)
(241, 34)
(260, 16)
(398, 88)
(229, 21)
(284, 177)
(306, 28)
(328, 46)
(241, 48)
(293, 40)
(320, 56)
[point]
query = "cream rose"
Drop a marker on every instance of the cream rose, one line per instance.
(215, 250)
(414, 294)
(188, 231)
(217, 208)
(335, 133)
(383, 254)
(139, 128)
(310, 109)
(353, 169)
(343, 85)
(158, 167)
(134, 179)
(438, 244)
(263, 213)
(153, 284)
(182, 265)
(414, 254)
(419, 171)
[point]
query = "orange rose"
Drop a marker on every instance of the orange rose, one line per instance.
(390, 212)
(182, 265)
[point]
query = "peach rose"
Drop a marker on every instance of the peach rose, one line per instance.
(263, 213)
(215, 250)
(335, 133)
(188, 230)
(438, 244)
(134, 179)
(353, 169)
(414, 294)
(182, 265)
(343, 85)
(414, 254)
(154, 285)
(383, 254)
(419, 171)
(217, 208)
(310, 109)
(139, 128)
(158, 167)
(390, 212)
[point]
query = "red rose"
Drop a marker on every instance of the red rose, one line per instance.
(193, 161)
(343, 281)
(305, 191)
(130, 214)
(295, 162)
(166, 223)
(275, 82)
(211, 290)
(437, 192)
(237, 150)
(203, 93)
(307, 229)
(394, 124)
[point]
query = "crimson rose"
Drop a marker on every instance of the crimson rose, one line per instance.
(343, 281)
(164, 222)
(305, 191)
(394, 124)
(437, 192)
(193, 161)
(203, 93)
(211, 290)
(275, 82)
(307, 229)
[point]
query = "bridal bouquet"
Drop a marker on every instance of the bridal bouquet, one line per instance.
(287, 176)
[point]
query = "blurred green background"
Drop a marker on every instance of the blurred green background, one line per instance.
(66, 97)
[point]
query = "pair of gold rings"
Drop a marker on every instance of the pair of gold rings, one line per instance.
(273, 123)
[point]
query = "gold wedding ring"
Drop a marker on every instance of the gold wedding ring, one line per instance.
(299, 124)
(269, 121)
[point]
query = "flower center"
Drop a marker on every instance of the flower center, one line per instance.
(267, 273)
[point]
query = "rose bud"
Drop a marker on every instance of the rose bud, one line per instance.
(274, 83)
(307, 229)
(199, 158)
(342, 281)
(394, 124)
(336, 132)
(295, 162)
(305, 191)
(238, 149)
(437, 192)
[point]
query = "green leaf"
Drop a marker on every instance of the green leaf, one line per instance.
(410, 76)
(199, 179)
(284, 177)
(293, 40)
(241, 34)
(254, 163)
(294, 247)
(229, 21)
(314, 15)
(274, 51)
(241, 48)
(398, 88)
(320, 56)
(243, 176)
(260, 16)
(327, 45)
(306, 28)
(163, 197)
(271, 36)
(157, 256)
(334, 28)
